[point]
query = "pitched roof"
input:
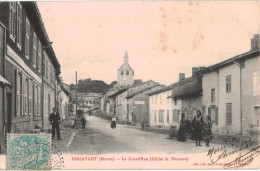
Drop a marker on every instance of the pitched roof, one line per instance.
(119, 91)
(141, 91)
(243, 56)
(191, 86)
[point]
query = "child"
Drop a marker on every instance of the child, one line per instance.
(207, 130)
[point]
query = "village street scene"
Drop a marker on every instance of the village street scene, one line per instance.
(101, 83)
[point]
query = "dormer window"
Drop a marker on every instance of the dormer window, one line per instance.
(122, 72)
(127, 72)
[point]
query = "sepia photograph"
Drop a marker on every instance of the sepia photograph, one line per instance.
(104, 84)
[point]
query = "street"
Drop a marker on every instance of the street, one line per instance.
(99, 138)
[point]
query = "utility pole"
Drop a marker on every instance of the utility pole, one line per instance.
(76, 93)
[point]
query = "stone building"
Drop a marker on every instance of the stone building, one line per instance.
(30, 66)
(231, 92)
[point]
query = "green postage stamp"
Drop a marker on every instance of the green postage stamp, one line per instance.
(28, 152)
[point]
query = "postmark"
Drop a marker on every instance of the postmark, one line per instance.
(28, 152)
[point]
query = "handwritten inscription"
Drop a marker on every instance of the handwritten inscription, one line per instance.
(243, 155)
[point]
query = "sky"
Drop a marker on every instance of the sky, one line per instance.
(162, 38)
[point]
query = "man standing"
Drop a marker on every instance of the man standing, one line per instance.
(55, 121)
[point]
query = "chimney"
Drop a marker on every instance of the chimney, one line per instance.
(181, 76)
(194, 70)
(255, 42)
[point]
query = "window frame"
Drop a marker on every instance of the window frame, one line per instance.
(228, 114)
(213, 95)
(12, 22)
(27, 38)
(228, 83)
(19, 26)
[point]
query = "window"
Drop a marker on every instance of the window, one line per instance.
(122, 72)
(155, 116)
(12, 16)
(39, 56)
(34, 55)
(19, 25)
(168, 117)
(30, 97)
(161, 116)
(46, 70)
(25, 98)
(167, 97)
(27, 39)
(228, 83)
(156, 99)
(212, 95)
(127, 72)
(17, 93)
(174, 116)
(151, 99)
(133, 73)
(213, 113)
(175, 101)
(228, 113)
(21, 94)
(38, 100)
(51, 72)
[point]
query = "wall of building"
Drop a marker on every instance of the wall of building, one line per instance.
(250, 92)
(231, 97)
(164, 105)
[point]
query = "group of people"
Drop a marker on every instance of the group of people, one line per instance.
(198, 129)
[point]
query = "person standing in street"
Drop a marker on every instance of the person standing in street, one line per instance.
(197, 128)
(55, 120)
(207, 136)
(182, 129)
(113, 123)
(83, 122)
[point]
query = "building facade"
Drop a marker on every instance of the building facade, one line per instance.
(138, 105)
(26, 45)
(231, 92)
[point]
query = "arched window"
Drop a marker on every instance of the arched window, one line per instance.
(127, 72)
(122, 72)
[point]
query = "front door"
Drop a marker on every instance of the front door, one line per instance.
(9, 112)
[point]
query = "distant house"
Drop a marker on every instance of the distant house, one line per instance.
(231, 92)
(160, 107)
(168, 103)
(187, 98)
(138, 104)
(119, 97)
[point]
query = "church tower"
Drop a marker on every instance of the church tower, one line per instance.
(125, 74)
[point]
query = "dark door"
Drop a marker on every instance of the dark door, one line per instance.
(9, 112)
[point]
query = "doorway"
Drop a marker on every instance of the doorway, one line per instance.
(9, 112)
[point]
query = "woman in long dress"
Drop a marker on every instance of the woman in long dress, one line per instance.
(113, 123)
(197, 128)
(182, 129)
(207, 136)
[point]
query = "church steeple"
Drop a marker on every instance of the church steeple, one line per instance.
(126, 57)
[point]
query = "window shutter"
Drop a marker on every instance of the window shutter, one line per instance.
(216, 116)
(35, 100)
(25, 95)
(17, 93)
(209, 111)
(30, 96)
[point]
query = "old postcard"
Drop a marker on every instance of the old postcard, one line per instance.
(129, 85)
